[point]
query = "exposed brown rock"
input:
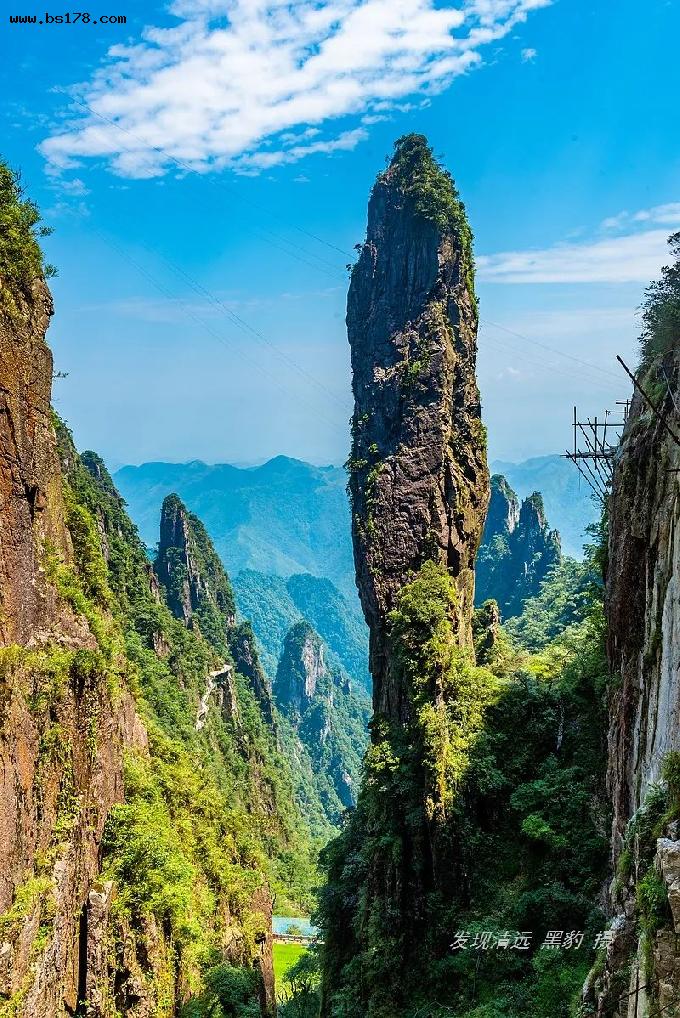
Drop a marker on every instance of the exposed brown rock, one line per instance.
(418, 476)
(30, 497)
(61, 740)
(643, 617)
(642, 597)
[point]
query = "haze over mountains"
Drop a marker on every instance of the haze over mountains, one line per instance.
(286, 516)
(283, 517)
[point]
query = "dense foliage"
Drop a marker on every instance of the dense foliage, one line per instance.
(423, 179)
(206, 589)
(21, 257)
(337, 619)
(414, 777)
(274, 604)
(661, 310)
(523, 799)
(209, 816)
(328, 717)
(564, 598)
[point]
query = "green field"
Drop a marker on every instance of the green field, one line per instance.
(285, 956)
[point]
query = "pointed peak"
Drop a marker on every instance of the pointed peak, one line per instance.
(197, 588)
(419, 175)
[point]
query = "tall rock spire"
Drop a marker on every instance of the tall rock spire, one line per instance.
(419, 488)
(418, 476)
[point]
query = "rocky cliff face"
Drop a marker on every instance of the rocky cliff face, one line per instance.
(301, 667)
(61, 735)
(199, 594)
(328, 719)
(246, 661)
(197, 588)
(32, 514)
(642, 971)
(418, 475)
(419, 488)
(643, 609)
(518, 549)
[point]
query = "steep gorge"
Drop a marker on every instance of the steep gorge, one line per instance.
(152, 778)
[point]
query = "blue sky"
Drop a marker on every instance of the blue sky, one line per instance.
(205, 211)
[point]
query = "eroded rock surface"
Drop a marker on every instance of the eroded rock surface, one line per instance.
(418, 477)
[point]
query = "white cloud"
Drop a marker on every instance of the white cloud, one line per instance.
(74, 187)
(664, 215)
(233, 78)
(630, 258)
(528, 55)
(668, 214)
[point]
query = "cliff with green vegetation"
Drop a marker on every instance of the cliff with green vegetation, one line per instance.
(642, 964)
(518, 549)
(273, 604)
(146, 827)
(196, 587)
(316, 745)
(482, 811)
(323, 736)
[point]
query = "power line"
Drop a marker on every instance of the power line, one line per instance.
(198, 288)
(562, 370)
(187, 311)
(247, 327)
(544, 346)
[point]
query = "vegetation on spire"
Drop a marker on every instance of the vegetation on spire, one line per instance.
(417, 173)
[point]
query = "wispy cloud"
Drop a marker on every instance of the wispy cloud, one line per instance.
(528, 55)
(635, 256)
(74, 187)
(665, 215)
(234, 80)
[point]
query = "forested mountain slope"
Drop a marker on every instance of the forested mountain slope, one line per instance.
(274, 604)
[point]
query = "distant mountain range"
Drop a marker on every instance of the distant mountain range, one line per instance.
(283, 517)
(287, 517)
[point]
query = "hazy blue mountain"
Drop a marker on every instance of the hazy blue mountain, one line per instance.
(274, 604)
(282, 517)
(566, 497)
